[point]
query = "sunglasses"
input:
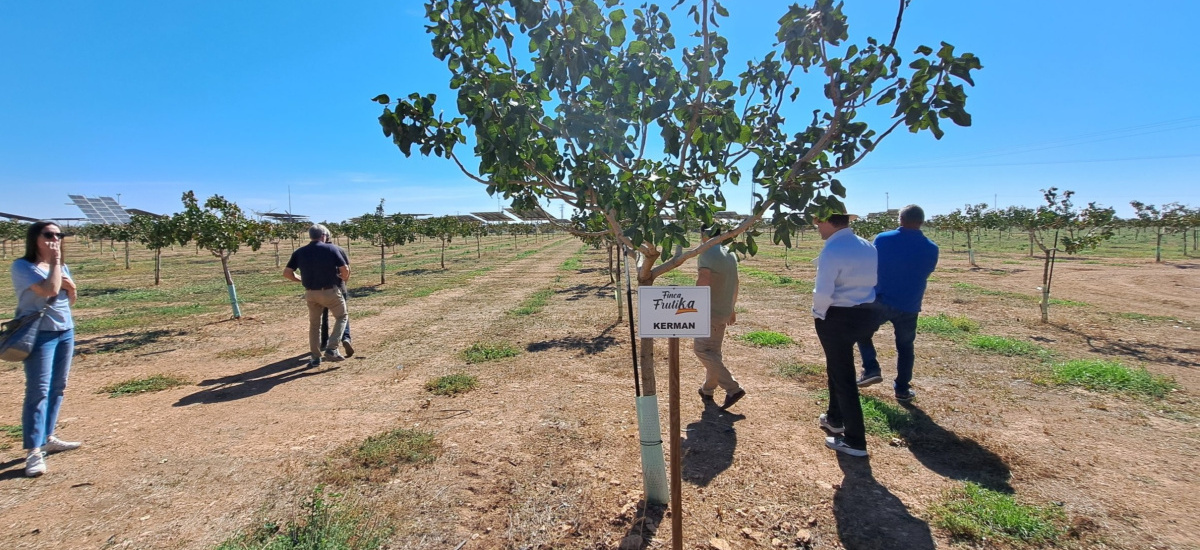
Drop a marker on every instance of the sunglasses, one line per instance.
(52, 235)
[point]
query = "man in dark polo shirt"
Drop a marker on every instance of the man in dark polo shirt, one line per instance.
(322, 268)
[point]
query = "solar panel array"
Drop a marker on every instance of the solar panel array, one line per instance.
(492, 216)
(528, 215)
(103, 210)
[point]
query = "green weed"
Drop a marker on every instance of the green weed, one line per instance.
(1144, 318)
(157, 382)
(800, 370)
(677, 278)
(482, 352)
(975, 513)
(800, 285)
(534, 304)
(328, 524)
(944, 325)
(1007, 346)
(572, 264)
(1112, 377)
(247, 353)
(883, 419)
(399, 446)
(451, 384)
(766, 338)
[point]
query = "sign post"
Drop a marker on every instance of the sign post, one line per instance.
(674, 312)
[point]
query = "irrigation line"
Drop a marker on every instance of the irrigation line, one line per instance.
(637, 385)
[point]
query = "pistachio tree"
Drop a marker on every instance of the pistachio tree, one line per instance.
(11, 230)
(1084, 227)
(613, 110)
(156, 233)
(444, 229)
(220, 227)
(383, 231)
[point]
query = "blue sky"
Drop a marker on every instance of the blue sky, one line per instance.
(253, 100)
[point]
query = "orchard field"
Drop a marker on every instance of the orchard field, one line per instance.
(536, 446)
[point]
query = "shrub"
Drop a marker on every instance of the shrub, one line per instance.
(800, 370)
(327, 524)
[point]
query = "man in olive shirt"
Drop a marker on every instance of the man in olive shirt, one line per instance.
(718, 270)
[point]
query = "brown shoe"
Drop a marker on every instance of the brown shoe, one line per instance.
(706, 398)
(731, 398)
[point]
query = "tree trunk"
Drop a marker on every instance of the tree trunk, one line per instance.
(233, 301)
(970, 251)
(1158, 247)
(276, 254)
(478, 248)
(443, 253)
(646, 353)
(382, 263)
(126, 254)
(1045, 303)
(157, 265)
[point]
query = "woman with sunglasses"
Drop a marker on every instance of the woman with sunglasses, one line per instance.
(40, 278)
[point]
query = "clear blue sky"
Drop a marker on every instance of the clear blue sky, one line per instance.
(251, 99)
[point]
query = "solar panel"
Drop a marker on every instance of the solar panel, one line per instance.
(730, 215)
(492, 216)
(528, 215)
(467, 218)
(103, 210)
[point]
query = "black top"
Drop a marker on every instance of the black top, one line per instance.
(318, 264)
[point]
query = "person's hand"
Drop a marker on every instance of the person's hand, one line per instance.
(55, 252)
(68, 284)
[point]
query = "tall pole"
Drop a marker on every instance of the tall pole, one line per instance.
(676, 458)
(887, 202)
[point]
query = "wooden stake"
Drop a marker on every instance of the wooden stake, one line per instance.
(676, 458)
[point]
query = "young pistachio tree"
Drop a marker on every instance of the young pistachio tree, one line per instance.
(156, 233)
(1084, 228)
(383, 231)
(221, 228)
(614, 111)
(443, 228)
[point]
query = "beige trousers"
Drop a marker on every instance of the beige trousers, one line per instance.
(708, 351)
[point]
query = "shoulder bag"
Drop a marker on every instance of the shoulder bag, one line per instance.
(18, 336)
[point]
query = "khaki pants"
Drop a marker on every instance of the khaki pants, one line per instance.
(708, 351)
(318, 300)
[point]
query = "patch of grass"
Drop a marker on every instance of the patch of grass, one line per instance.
(572, 264)
(534, 304)
(677, 278)
(526, 254)
(396, 447)
(157, 382)
(800, 285)
(364, 313)
(975, 513)
(1143, 317)
(247, 353)
(944, 325)
(107, 324)
(1007, 346)
(327, 523)
(767, 338)
(976, 289)
(131, 340)
(1112, 377)
(10, 435)
(883, 419)
(452, 384)
(482, 352)
(800, 370)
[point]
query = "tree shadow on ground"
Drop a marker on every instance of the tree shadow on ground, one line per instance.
(418, 271)
(581, 291)
(251, 383)
(1144, 352)
(359, 292)
(951, 455)
(870, 517)
(587, 345)
(645, 525)
(708, 449)
(122, 342)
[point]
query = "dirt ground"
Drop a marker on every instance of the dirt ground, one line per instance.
(545, 453)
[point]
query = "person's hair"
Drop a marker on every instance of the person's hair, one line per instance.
(31, 240)
(839, 220)
(912, 214)
(711, 231)
(317, 232)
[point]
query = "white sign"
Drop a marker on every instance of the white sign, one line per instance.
(674, 312)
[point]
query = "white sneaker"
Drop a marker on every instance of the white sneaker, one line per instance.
(35, 463)
(824, 422)
(56, 445)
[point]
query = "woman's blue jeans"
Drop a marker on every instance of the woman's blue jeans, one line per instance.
(46, 371)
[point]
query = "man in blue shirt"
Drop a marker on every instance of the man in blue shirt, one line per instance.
(843, 290)
(906, 259)
(323, 269)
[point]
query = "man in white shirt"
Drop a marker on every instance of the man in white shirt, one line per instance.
(846, 277)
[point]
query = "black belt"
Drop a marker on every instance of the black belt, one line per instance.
(323, 288)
